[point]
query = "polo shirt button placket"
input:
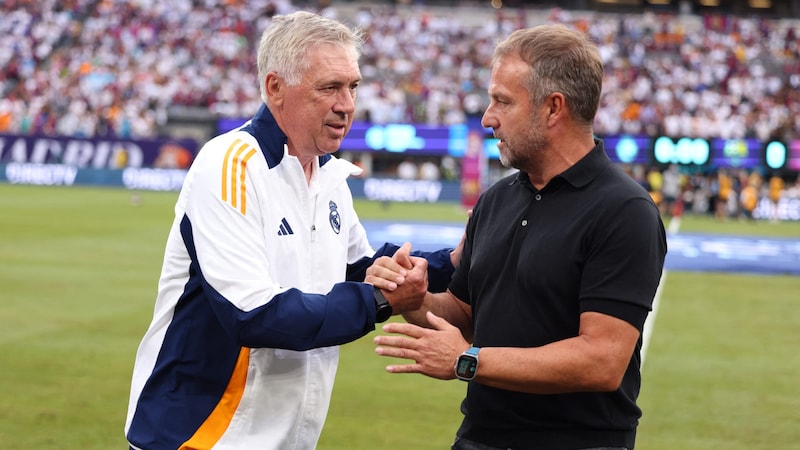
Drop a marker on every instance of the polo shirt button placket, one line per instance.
(536, 197)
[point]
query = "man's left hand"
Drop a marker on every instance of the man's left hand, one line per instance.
(434, 351)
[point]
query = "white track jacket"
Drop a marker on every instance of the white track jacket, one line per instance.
(260, 284)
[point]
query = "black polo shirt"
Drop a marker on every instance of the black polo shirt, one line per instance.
(591, 240)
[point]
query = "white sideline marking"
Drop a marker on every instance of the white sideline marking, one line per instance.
(651, 318)
(674, 225)
(647, 331)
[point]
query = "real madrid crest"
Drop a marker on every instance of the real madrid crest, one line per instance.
(334, 218)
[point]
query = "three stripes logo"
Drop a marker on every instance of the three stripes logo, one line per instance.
(233, 174)
(284, 229)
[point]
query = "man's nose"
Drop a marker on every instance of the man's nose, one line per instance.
(345, 102)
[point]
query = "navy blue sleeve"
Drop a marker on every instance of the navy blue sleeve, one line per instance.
(440, 268)
(295, 320)
(291, 320)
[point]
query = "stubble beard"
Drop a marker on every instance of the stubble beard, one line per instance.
(520, 154)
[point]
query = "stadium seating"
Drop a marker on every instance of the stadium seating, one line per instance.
(111, 67)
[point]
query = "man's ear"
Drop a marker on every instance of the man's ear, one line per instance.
(275, 88)
(557, 106)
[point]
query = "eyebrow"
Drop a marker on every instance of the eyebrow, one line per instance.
(337, 83)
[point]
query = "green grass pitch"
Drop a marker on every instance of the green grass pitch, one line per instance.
(78, 273)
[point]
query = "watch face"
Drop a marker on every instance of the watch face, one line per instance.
(383, 313)
(466, 367)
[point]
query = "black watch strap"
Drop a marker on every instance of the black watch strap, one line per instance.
(383, 310)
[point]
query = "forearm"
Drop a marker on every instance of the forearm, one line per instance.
(440, 268)
(593, 361)
(446, 306)
(561, 367)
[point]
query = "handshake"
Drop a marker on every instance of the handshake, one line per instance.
(402, 279)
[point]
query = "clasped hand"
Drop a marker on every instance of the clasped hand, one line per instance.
(402, 278)
(433, 350)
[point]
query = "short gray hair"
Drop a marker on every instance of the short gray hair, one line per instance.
(287, 40)
(561, 60)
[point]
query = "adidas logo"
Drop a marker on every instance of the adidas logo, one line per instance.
(284, 229)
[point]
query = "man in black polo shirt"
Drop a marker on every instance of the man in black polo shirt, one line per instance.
(560, 266)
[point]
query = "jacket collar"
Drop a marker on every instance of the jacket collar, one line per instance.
(270, 137)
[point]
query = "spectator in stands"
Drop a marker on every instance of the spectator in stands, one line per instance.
(545, 312)
(429, 170)
(655, 181)
(670, 189)
(710, 76)
(407, 170)
(724, 194)
(748, 198)
(775, 191)
(242, 349)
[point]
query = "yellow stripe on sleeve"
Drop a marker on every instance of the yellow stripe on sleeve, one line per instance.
(234, 174)
(217, 422)
(236, 163)
(225, 170)
(241, 181)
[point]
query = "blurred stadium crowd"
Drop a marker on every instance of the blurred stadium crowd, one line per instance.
(89, 68)
(113, 67)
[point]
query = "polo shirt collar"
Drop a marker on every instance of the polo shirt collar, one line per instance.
(585, 170)
(582, 172)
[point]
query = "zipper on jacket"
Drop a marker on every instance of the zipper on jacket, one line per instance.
(313, 232)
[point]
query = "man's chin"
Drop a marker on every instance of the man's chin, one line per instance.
(330, 148)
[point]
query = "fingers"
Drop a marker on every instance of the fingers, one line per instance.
(400, 347)
(418, 262)
(431, 355)
(396, 352)
(385, 273)
(406, 329)
(410, 293)
(403, 256)
(381, 283)
(418, 276)
(437, 322)
(405, 368)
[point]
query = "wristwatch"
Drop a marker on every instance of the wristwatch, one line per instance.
(467, 364)
(383, 310)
